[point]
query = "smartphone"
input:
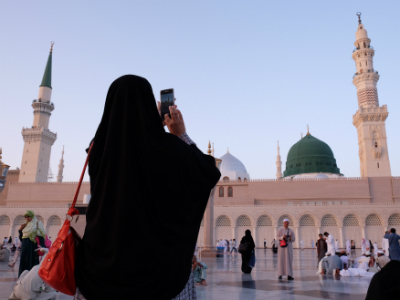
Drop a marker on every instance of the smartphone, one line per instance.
(167, 100)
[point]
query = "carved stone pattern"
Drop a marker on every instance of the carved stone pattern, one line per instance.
(223, 221)
(243, 221)
(367, 96)
(307, 220)
(264, 221)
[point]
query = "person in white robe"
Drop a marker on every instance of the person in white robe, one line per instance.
(330, 241)
(363, 245)
(285, 254)
(385, 245)
(376, 249)
(225, 246)
(30, 286)
(320, 267)
(336, 245)
(348, 247)
(302, 245)
(17, 244)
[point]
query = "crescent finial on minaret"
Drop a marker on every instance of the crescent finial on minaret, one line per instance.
(209, 148)
(308, 130)
(359, 17)
(51, 48)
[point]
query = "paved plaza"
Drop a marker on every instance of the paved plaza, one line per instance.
(226, 281)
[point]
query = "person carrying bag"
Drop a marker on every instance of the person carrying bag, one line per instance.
(58, 268)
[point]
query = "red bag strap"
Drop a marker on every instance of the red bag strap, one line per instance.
(72, 211)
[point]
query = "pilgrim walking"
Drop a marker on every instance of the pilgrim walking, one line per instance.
(248, 245)
(132, 152)
(322, 247)
(285, 251)
(30, 234)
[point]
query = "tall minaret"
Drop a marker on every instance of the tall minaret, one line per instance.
(370, 117)
(61, 167)
(39, 139)
(278, 165)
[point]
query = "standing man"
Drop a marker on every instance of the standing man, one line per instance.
(322, 248)
(336, 245)
(265, 243)
(385, 245)
(348, 247)
(330, 242)
(302, 245)
(394, 246)
(285, 254)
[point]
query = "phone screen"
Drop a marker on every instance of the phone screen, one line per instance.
(167, 100)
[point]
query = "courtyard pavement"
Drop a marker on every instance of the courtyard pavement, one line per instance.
(226, 281)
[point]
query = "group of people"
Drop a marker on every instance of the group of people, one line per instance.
(227, 246)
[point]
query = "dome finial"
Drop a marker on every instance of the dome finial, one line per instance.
(308, 130)
(227, 150)
(51, 48)
(359, 17)
(209, 148)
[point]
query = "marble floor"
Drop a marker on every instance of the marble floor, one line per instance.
(226, 281)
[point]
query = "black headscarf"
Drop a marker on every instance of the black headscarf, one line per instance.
(149, 193)
(385, 283)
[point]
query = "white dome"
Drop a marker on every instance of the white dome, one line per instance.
(233, 168)
(321, 176)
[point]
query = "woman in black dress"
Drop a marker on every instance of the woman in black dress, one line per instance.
(246, 255)
(27, 234)
(144, 183)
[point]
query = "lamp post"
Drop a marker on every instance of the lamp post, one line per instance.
(3, 173)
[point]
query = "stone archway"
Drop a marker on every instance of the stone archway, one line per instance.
(265, 230)
(307, 230)
(5, 227)
(374, 230)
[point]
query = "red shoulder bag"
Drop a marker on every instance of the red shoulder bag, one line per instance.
(58, 268)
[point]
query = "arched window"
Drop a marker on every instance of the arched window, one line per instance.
(5, 220)
(243, 221)
(328, 220)
(240, 179)
(245, 179)
(394, 220)
(225, 178)
(351, 220)
(19, 220)
(373, 220)
(223, 221)
(264, 221)
(54, 220)
(221, 191)
(307, 220)
(230, 191)
(283, 217)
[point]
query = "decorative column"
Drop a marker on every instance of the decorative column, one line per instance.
(209, 240)
(255, 236)
(363, 235)
(342, 244)
(297, 237)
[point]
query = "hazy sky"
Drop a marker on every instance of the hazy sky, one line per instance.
(245, 73)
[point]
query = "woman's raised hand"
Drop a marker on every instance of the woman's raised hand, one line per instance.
(175, 124)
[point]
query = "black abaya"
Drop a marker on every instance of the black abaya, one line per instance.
(246, 255)
(385, 284)
(146, 185)
(29, 257)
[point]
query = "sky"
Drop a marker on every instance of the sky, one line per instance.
(245, 73)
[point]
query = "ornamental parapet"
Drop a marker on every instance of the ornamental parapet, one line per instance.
(370, 114)
(35, 134)
(388, 204)
(42, 107)
(367, 76)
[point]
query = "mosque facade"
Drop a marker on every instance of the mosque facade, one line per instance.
(311, 191)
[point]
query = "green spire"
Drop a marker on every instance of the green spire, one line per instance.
(46, 81)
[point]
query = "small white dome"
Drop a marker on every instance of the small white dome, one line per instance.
(233, 168)
(321, 176)
(361, 32)
(297, 177)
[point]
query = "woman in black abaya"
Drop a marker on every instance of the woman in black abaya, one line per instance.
(246, 255)
(144, 183)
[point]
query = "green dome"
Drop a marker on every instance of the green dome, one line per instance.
(310, 155)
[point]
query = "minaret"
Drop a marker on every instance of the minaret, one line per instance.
(209, 148)
(38, 138)
(370, 117)
(61, 167)
(278, 164)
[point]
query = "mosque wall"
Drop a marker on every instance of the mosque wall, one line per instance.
(380, 189)
(46, 193)
(13, 176)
